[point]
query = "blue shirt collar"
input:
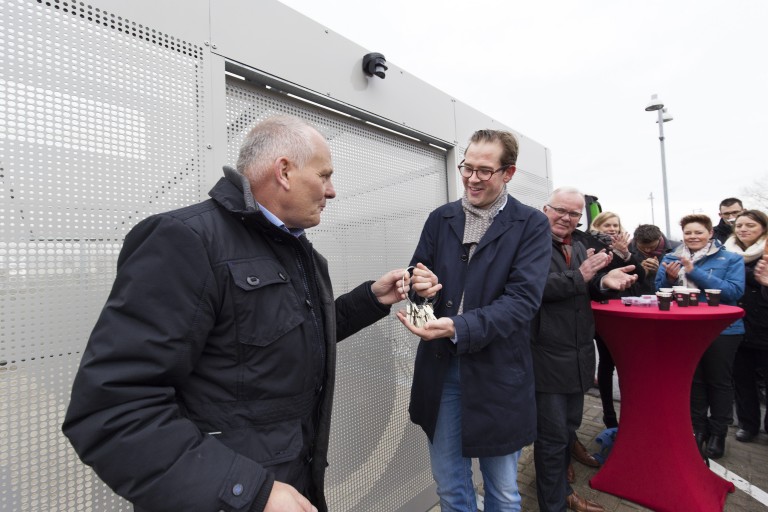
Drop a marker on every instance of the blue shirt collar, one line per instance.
(297, 232)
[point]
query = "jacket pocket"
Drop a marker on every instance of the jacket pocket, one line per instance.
(264, 301)
(266, 444)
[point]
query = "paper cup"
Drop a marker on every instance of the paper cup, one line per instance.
(713, 296)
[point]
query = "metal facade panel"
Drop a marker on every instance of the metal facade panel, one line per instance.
(386, 186)
(177, 20)
(100, 126)
(274, 38)
(115, 111)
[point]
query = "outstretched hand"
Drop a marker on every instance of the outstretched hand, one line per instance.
(619, 278)
(432, 330)
(392, 287)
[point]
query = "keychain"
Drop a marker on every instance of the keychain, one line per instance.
(418, 314)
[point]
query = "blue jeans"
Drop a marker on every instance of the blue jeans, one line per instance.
(453, 473)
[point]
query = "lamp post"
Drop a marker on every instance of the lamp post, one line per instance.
(653, 218)
(657, 105)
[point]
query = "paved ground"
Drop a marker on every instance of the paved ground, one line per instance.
(746, 460)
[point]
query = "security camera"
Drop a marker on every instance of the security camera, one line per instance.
(375, 64)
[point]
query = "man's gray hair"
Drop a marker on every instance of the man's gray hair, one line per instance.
(275, 137)
(565, 190)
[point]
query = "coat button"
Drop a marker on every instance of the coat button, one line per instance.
(464, 257)
(449, 304)
(282, 276)
(438, 355)
(237, 490)
(252, 280)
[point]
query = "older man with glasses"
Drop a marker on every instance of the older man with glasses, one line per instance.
(562, 347)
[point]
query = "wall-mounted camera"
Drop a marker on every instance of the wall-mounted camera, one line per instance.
(375, 64)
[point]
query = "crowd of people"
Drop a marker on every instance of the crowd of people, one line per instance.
(207, 382)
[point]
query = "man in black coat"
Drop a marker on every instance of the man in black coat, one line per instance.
(208, 380)
(649, 245)
(562, 347)
(729, 209)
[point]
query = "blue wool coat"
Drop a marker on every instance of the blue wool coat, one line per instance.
(502, 287)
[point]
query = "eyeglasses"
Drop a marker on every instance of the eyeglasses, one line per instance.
(563, 211)
(482, 173)
(731, 214)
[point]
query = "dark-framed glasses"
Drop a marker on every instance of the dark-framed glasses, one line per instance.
(563, 211)
(483, 173)
(732, 214)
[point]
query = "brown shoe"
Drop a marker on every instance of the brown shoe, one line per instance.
(570, 475)
(580, 453)
(579, 504)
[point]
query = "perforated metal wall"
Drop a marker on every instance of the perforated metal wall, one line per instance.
(100, 126)
(386, 186)
(105, 120)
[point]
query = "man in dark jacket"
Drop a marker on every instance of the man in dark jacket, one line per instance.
(729, 209)
(208, 379)
(563, 351)
(473, 391)
(649, 246)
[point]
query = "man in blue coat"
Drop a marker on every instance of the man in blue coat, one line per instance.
(473, 388)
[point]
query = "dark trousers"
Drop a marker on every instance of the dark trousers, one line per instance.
(712, 388)
(605, 368)
(748, 361)
(558, 417)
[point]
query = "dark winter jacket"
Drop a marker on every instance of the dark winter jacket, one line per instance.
(647, 285)
(722, 231)
(501, 285)
(755, 305)
(563, 350)
(596, 242)
(213, 360)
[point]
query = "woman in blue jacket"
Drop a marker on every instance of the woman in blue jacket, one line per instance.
(703, 263)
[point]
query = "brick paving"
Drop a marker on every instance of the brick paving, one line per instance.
(747, 460)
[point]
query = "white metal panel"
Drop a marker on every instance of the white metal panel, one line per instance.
(274, 38)
(101, 122)
(113, 110)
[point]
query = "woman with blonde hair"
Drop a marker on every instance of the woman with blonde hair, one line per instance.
(606, 226)
(607, 229)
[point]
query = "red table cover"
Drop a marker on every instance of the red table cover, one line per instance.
(654, 461)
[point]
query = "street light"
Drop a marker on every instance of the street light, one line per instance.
(657, 105)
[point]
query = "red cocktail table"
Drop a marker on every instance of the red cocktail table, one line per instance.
(654, 461)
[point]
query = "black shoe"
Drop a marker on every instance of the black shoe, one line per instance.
(716, 446)
(745, 436)
(701, 443)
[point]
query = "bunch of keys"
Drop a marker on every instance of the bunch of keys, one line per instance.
(418, 314)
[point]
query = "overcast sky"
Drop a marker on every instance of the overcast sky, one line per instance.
(576, 77)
